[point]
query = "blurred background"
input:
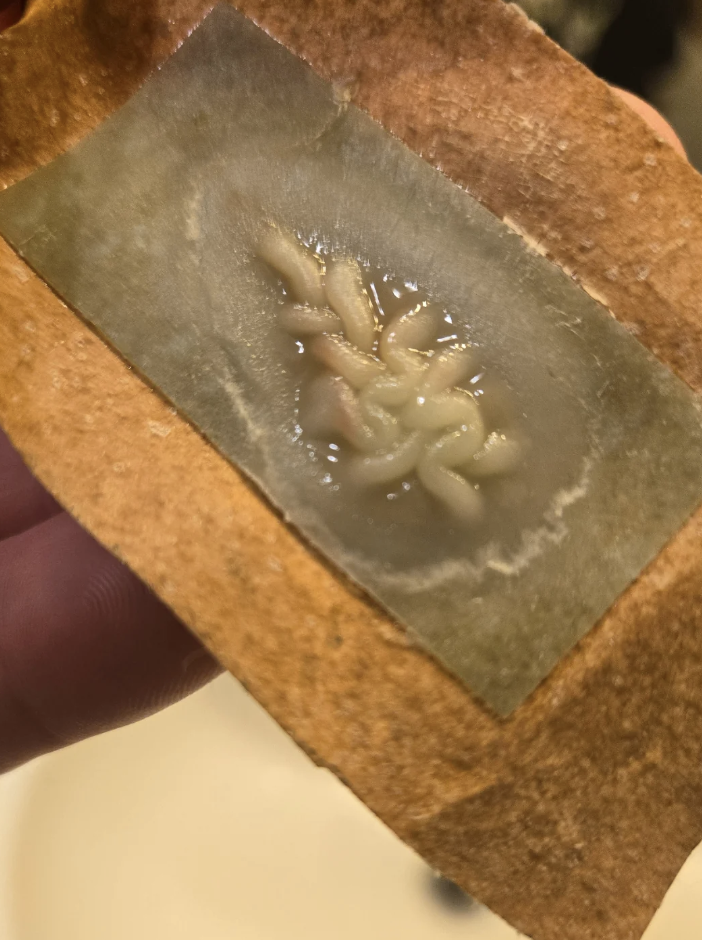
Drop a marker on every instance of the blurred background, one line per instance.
(206, 822)
(652, 48)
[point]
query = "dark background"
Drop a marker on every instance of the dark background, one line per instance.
(650, 47)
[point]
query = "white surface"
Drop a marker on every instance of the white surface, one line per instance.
(206, 822)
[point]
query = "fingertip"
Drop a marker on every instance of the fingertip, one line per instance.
(653, 118)
(23, 500)
(84, 645)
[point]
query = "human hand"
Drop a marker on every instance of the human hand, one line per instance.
(84, 645)
(652, 117)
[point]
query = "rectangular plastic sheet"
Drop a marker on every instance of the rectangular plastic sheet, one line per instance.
(147, 229)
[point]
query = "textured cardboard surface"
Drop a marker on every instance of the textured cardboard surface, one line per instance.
(571, 818)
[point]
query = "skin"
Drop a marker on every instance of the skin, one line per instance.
(653, 118)
(84, 645)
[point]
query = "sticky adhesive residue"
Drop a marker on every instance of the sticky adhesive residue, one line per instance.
(443, 413)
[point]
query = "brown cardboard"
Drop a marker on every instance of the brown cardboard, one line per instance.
(571, 818)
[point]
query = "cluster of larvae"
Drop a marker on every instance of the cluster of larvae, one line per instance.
(386, 386)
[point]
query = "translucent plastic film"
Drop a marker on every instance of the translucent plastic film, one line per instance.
(443, 413)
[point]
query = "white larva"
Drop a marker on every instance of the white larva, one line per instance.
(396, 400)
(348, 299)
(303, 320)
(410, 331)
(457, 493)
(346, 360)
(499, 454)
(297, 266)
(434, 412)
(390, 465)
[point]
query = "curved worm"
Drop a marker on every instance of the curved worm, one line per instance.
(295, 264)
(435, 470)
(447, 409)
(347, 296)
(301, 320)
(411, 329)
(446, 369)
(499, 454)
(349, 419)
(458, 446)
(384, 425)
(368, 428)
(390, 390)
(406, 390)
(333, 407)
(358, 368)
(451, 489)
(392, 465)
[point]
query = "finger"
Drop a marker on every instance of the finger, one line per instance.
(23, 500)
(84, 646)
(653, 118)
